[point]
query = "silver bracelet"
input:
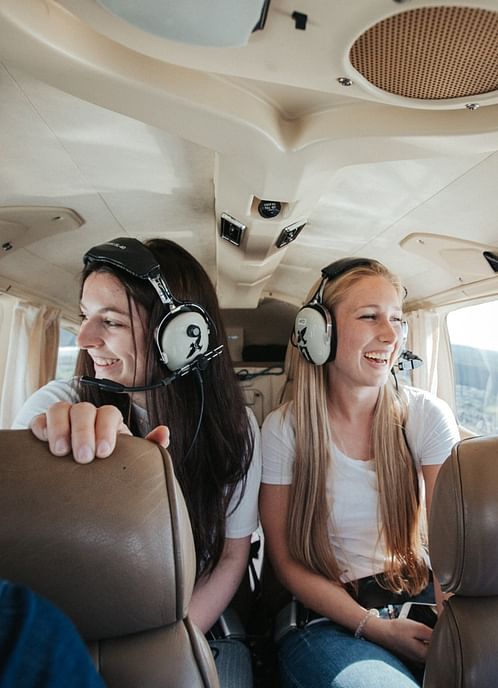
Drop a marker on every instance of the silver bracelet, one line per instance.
(359, 631)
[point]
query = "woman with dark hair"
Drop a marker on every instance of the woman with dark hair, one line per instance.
(349, 467)
(154, 354)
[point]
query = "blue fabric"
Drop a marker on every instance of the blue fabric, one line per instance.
(325, 655)
(39, 646)
(233, 663)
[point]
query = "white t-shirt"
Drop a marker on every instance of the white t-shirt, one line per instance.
(239, 523)
(431, 432)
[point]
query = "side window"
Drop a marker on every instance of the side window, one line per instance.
(474, 347)
(68, 352)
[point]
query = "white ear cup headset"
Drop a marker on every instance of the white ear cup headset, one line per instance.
(314, 330)
(182, 336)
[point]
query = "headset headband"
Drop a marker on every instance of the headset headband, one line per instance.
(132, 256)
(336, 269)
(339, 267)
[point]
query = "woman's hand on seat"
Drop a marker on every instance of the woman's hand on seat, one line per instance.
(86, 431)
(82, 428)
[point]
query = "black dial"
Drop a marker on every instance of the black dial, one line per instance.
(269, 209)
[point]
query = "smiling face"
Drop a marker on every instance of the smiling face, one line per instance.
(107, 329)
(369, 332)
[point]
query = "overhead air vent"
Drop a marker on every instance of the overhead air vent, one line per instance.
(289, 233)
(231, 229)
(431, 53)
(492, 259)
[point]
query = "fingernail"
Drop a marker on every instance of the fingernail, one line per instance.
(103, 449)
(44, 434)
(84, 454)
(61, 447)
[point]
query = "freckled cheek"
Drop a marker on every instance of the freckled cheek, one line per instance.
(140, 362)
(348, 345)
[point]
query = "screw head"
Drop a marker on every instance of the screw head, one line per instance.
(472, 106)
(345, 81)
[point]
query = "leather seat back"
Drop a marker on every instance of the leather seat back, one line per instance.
(463, 537)
(110, 543)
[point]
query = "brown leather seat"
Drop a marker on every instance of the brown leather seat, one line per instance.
(463, 534)
(110, 543)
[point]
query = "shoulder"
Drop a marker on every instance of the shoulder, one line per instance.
(280, 421)
(278, 445)
(255, 467)
(242, 513)
(422, 402)
(42, 399)
(431, 427)
(253, 423)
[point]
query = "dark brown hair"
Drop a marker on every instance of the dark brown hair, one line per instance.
(209, 470)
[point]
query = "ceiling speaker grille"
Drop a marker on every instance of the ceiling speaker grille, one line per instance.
(431, 53)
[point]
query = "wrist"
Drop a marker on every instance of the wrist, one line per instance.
(377, 630)
(361, 628)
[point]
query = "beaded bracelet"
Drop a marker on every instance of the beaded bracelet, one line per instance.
(359, 631)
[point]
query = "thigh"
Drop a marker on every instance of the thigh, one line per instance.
(326, 656)
(233, 663)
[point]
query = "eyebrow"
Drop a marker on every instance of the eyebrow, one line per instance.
(377, 305)
(108, 309)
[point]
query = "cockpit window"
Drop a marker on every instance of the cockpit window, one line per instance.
(474, 347)
(68, 352)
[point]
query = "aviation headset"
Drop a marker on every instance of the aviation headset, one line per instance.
(315, 332)
(182, 336)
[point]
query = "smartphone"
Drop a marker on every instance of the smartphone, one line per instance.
(420, 611)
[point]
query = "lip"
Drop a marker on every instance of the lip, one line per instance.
(381, 362)
(109, 366)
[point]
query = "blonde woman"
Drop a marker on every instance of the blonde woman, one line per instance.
(346, 465)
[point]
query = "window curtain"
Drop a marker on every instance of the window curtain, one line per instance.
(29, 346)
(423, 340)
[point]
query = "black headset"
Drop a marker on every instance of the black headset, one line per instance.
(182, 336)
(315, 332)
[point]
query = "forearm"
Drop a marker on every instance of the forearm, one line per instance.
(212, 594)
(318, 593)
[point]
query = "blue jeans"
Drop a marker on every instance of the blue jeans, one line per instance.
(233, 663)
(325, 655)
(39, 646)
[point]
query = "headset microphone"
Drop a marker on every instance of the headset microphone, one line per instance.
(110, 386)
(408, 361)
(199, 364)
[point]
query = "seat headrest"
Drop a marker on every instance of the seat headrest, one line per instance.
(109, 542)
(463, 528)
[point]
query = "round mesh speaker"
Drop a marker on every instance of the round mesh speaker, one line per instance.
(431, 53)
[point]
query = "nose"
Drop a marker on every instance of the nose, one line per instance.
(389, 331)
(89, 335)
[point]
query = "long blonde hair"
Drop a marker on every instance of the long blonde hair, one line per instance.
(399, 499)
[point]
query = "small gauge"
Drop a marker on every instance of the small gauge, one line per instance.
(269, 209)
